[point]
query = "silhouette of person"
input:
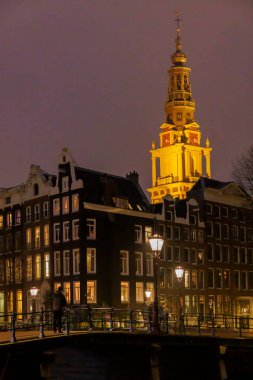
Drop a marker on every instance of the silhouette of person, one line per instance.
(59, 303)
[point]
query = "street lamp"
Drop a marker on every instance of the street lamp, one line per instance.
(180, 275)
(156, 243)
(33, 292)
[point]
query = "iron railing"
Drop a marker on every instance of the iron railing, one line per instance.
(113, 319)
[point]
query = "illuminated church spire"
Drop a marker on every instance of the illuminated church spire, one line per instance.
(180, 153)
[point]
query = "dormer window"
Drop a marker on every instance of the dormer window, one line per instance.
(65, 184)
(121, 202)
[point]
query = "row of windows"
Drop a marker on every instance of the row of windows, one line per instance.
(12, 270)
(63, 205)
(219, 253)
(172, 233)
(8, 221)
(223, 211)
(224, 231)
(62, 262)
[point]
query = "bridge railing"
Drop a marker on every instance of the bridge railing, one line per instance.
(115, 319)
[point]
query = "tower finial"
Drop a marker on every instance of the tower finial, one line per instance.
(178, 19)
(178, 57)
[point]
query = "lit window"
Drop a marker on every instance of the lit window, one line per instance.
(9, 271)
(179, 116)
(91, 292)
(29, 268)
(66, 291)
(187, 278)
(91, 260)
(139, 292)
(1, 222)
(150, 286)
(91, 226)
(65, 205)
(46, 235)
(121, 202)
(46, 265)
(56, 206)
(124, 287)
(18, 269)
(37, 266)
(76, 292)
(75, 202)
(148, 233)
(9, 219)
(37, 237)
(124, 262)
(19, 304)
(28, 238)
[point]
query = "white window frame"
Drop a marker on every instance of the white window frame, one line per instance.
(57, 263)
(124, 292)
(91, 260)
(66, 262)
(139, 292)
(138, 233)
(75, 229)
(66, 230)
(124, 260)
(91, 229)
(139, 263)
(94, 282)
(76, 261)
(37, 212)
(37, 267)
(47, 265)
(46, 209)
(28, 214)
(149, 264)
(57, 229)
(76, 292)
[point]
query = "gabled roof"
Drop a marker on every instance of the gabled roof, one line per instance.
(103, 188)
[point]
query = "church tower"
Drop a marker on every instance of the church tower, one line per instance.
(182, 159)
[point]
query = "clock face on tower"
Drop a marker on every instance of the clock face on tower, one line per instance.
(165, 139)
(193, 139)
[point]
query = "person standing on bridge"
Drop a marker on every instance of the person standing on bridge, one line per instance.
(59, 303)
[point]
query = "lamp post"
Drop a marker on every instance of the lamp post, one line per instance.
(156, 243)
(180, 275)
(33, 292)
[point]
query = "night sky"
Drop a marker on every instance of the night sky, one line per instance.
(91, 75)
